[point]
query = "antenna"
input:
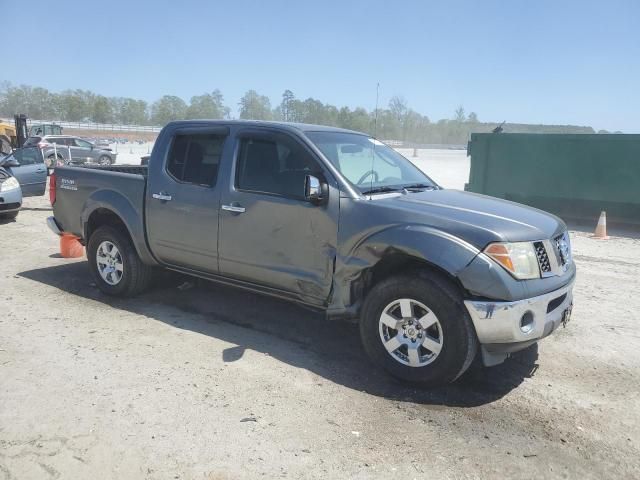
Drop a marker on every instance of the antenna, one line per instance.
(375, 137)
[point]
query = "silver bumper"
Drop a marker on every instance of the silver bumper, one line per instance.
(53, 226)
(501, 322)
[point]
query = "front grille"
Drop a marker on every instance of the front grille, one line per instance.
(9, 206)
(561, 244)
(543, 257)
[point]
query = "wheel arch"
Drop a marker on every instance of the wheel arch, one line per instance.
(111, 208)
(396, 251)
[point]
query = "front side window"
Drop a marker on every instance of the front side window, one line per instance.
(82, 143)
(368, 164)
(274, 165)
(28, 156)
(195, 158)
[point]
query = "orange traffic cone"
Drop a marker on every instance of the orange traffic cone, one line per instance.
(601, 228)
(70, 247)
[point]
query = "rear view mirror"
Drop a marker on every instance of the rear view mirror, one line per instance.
(351, 149)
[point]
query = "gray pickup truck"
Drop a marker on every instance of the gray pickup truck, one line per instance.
(334, 220)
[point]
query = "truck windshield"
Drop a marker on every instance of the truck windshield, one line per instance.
(370, 165)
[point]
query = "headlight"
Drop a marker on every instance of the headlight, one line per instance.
(10, 183)
(519, 258)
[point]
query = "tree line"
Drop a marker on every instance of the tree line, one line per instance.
(395, 121)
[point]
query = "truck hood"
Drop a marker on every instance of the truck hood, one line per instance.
(474, 218)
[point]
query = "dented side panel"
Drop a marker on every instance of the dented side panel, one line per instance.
(369, 233)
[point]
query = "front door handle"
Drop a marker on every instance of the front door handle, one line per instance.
(162, 196)
(233, 208)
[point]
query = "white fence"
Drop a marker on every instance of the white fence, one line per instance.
(104, 127)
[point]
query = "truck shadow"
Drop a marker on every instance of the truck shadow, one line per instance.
(288, 333)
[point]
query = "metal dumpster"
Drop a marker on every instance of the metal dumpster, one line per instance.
(575, 176)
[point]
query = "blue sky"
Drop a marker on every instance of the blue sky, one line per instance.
(574, 62)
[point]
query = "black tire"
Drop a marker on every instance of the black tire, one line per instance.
(9, 216)
(105, 160)
(459, 341)
(136, 276)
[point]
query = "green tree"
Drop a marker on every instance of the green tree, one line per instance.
(473, 118)
(255, 107)
(101, 110)
(208, 105)
(167, 109)
(286, 113)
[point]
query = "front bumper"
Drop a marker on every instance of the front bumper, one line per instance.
(10, 200)
(499, 324)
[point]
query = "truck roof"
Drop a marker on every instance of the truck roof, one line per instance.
(302, 127)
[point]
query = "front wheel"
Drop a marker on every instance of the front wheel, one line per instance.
(9, 216)
(417, 328)
(104, 160)
(115, 264)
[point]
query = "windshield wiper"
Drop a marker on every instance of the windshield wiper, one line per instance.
(420, 186)
(381, 190)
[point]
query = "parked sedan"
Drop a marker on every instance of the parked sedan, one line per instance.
(27, 166)
(59, 147)
(10, 195)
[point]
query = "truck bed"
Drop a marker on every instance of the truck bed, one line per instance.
(81, 189)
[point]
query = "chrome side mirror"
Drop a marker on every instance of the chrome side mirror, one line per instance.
(312, 189)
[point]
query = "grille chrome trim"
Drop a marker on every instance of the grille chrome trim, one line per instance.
(554, 255)
(543, 259)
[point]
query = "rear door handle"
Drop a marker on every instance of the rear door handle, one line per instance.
(233, 208)
(162, 196)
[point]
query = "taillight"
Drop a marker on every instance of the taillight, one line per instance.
(52, 188)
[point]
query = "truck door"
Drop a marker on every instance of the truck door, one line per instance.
(269, 234)
(31, 173)
(183, 199)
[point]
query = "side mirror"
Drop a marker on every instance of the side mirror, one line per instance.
(11, 163)
(313, 190)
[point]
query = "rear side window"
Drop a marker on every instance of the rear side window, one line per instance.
(276, 166)
(195, 158)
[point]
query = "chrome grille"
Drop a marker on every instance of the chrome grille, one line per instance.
(563, 249)
(543, 258)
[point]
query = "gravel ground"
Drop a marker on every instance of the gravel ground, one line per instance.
(206, 382)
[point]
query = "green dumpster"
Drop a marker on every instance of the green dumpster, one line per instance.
(575, 176)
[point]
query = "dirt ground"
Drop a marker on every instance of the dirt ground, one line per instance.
(213, 383)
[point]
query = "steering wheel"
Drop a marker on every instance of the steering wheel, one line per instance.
(367, 175)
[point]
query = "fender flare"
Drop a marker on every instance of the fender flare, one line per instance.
(120, 206)
(432, 246)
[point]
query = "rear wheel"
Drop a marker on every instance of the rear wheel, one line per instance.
(104, 160)
(417, 328)
(115, 264)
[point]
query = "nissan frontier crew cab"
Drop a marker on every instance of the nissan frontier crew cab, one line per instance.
(335, 220)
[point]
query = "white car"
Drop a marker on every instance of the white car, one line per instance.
(10, 195)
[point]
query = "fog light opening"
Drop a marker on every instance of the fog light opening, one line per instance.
(526, 322)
